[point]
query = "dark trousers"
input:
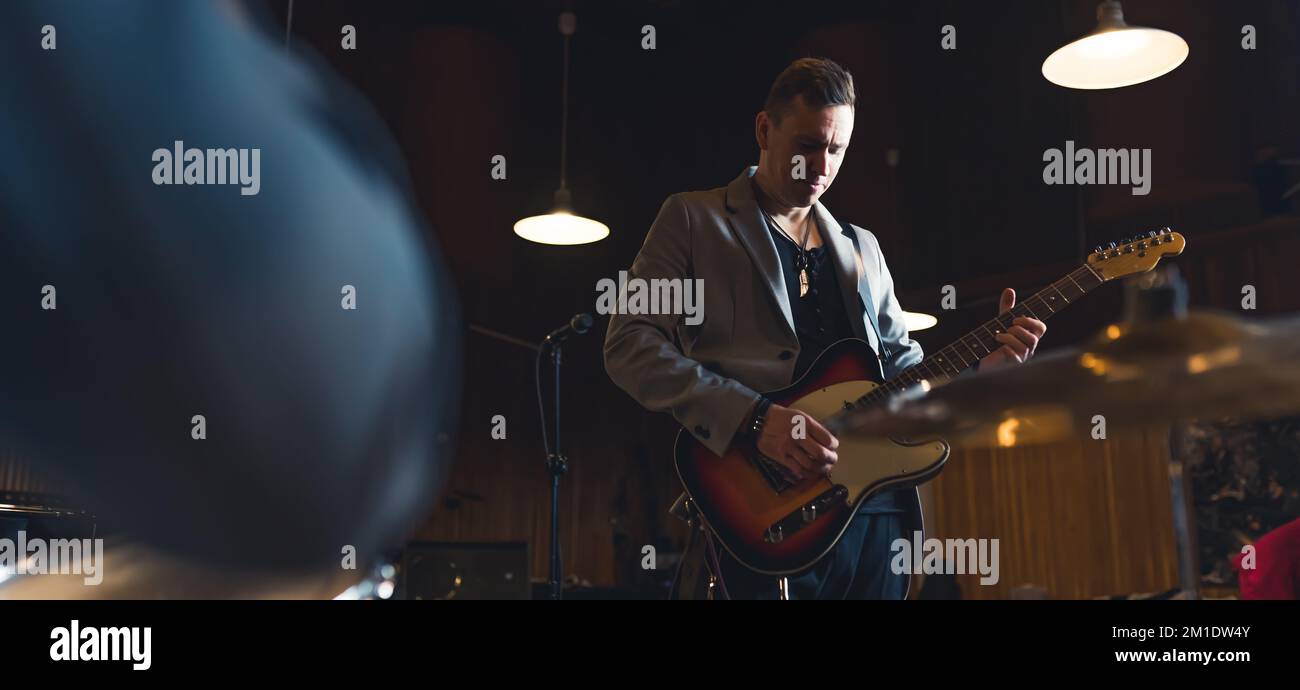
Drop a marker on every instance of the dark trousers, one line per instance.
(857, 568)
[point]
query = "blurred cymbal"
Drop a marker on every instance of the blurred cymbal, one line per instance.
(1135, 375)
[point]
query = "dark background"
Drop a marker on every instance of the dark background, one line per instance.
(461, 82)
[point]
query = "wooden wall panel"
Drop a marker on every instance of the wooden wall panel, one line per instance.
(1082, 519)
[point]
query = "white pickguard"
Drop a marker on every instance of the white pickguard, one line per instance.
(864, 462)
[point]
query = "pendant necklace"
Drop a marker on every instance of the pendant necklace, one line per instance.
(800, 261)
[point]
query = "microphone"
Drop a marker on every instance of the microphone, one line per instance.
(578, 325)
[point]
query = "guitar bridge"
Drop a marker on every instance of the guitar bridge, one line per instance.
(807, 514)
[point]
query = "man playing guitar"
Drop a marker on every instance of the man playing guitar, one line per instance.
(782, 282)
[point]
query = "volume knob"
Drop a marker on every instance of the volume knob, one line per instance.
(810, 512)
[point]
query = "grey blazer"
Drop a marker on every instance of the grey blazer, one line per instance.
(709, 376)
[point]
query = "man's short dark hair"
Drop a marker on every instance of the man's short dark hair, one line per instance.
(821, 82)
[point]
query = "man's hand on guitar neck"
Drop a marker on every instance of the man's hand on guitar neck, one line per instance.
(1019, 342)
(812, 455)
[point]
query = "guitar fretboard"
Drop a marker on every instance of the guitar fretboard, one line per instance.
(970, 348)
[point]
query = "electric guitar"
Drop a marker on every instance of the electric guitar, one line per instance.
(776, 525)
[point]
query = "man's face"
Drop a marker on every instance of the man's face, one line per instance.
(820, 136)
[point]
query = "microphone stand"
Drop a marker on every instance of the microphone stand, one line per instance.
(557, 464)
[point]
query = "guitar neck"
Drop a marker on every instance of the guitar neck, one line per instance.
(970, 348)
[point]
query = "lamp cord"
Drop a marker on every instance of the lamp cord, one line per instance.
(541, 406)
(564, 115)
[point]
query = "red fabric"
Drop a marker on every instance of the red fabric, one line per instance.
(1276, 574)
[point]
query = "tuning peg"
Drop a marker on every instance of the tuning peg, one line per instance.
(1112, 245)
(1153, 233)
(1096, 249)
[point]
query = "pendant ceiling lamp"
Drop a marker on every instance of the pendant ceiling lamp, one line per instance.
(562, 225)
(1115, 54)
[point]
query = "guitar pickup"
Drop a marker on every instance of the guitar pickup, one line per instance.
(776, 475)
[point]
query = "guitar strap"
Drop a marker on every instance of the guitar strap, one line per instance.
(868, 302)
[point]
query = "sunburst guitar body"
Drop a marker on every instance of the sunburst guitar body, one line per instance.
(778, 526)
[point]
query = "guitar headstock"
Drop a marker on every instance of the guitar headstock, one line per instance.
(1135, 254)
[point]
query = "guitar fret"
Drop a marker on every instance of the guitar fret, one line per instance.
(957, 355)
(935, 375)
(1076, 283)
(925, 364)
(1001, 328)
(1062, 294)
(949, 365)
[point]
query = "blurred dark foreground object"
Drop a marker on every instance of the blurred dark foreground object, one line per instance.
(327, 429)
(137, 573)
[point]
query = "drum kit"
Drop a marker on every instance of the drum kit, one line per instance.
(1161, 365)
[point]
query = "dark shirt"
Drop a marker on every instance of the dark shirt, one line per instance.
(820, 319)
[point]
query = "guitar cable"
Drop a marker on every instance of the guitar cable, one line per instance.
(715, 565)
